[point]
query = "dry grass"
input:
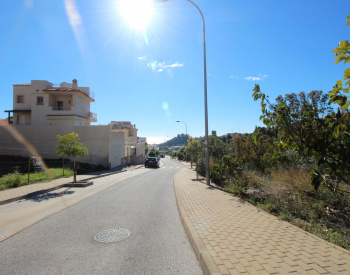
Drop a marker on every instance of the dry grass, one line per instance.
(288, 194)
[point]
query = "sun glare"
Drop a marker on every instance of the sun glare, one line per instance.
(137, 13)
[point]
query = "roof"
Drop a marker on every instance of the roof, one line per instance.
(17, 111)
(66, 90)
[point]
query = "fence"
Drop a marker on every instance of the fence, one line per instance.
(133, 160)
(19, 162)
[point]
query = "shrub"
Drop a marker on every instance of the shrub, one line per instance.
(14, 180)
(217, 175)
(201, 166)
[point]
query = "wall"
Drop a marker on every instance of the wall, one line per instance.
(24, 90)
(140, 149)
(104, 149)
(116, 148)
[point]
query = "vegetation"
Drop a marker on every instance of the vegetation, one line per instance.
(16, 179)
(180, 139)
(71, 147)
(298, 166)
(153, 153)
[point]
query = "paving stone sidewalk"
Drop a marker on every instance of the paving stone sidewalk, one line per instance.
(230, 236)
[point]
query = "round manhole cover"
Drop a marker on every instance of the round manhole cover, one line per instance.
(112, 235)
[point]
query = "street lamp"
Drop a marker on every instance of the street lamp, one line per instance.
(206, 141)
(185, 124)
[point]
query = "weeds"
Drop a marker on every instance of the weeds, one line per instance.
(16, 180)
(289, 195)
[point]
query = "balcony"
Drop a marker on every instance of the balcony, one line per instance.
(92, 116)
(61, 108)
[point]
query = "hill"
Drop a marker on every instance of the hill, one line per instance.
(180, 139)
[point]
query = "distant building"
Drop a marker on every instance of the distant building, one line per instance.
(141, 140)
(41, 103)
(176, 148)
(132, 146)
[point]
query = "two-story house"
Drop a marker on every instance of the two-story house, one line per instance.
(41, 103)
(42, 110)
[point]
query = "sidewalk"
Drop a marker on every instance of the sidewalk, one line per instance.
(230, 236)
(10, 195)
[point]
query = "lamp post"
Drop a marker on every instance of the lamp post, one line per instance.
(185, 124)
(206, 141)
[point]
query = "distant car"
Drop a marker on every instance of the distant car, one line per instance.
(152, 162)
(162, 156)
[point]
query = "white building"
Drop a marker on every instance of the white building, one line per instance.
(41, 103)
(141, 139)
(133, 148)
(41, 111)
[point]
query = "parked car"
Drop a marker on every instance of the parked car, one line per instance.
(152, 162)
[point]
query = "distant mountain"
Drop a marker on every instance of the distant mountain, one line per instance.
(180, 139)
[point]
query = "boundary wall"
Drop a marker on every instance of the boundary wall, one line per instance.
(101, 142)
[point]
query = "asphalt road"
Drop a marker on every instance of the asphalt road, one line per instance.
(144, 204)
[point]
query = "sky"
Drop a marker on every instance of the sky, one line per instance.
(153, 74)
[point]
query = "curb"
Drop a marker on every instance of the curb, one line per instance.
(39, 192)
(289, 223)
(205, 260)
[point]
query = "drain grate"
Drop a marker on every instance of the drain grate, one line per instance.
(112, 235)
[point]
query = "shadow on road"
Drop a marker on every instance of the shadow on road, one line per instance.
(47, 196)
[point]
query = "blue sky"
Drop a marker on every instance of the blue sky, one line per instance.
(154, 77)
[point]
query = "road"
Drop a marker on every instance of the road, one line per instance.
(63, 243)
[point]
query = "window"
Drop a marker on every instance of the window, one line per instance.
(20, 99)
(59, 105)
(40, 100)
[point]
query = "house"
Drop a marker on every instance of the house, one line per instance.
(42, 110)
(41, 103)
(133, 147)
(130, 133)
(141, 139)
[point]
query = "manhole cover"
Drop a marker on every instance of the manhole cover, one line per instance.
(112, 235)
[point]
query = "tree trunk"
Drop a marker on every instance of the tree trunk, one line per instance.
(63, 166)
(75, 173)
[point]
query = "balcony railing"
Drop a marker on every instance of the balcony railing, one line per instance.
(61, 108)
(89, 93)
(92, 116)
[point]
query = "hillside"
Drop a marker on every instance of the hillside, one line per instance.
(180, 139)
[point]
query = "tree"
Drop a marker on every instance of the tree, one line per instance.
(342, 53)
(192, 150)
(71, 147)
(217, 148)
(309, 134)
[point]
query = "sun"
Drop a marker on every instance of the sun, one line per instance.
(137, 13)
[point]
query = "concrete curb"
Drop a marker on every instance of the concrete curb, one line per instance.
(289, 223)
(204, 258)
(39, 192)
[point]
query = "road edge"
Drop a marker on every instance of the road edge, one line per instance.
(204, 258)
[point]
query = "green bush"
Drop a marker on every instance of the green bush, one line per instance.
(201, 166)
(217, 175)
(180, 155)
(16, 180)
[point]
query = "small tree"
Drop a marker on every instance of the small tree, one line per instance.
(192, 150)
(71, 147)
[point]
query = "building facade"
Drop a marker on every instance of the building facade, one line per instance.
(133, 148)
(42, 110)
(41, 103)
